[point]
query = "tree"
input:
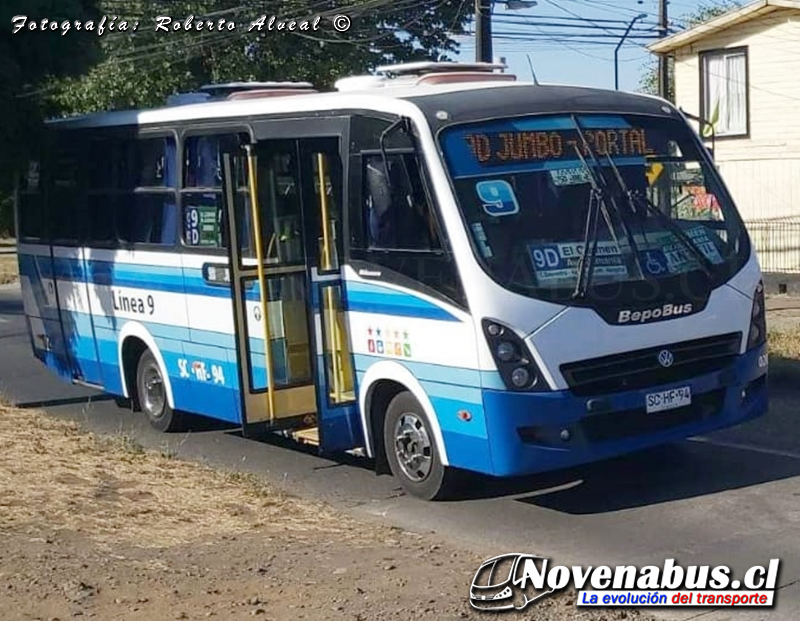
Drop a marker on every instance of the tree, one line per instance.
(648, 83)
(29, 58)
(141, 68)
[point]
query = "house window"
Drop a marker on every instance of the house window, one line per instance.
(724, 81)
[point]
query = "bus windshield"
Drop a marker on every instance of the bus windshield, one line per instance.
(534, 191)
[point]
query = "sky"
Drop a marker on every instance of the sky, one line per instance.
(547, 32)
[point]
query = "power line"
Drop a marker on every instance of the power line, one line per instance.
(574, 26)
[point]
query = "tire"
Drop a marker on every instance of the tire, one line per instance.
(152, 395)
(414, 461)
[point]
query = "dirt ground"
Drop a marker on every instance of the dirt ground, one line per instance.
(95, 527)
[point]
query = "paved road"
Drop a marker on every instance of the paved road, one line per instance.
(731, 499)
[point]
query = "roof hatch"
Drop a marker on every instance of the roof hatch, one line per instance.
(241, 90)
(419, 73)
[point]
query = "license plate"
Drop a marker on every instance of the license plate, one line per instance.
(669, 399)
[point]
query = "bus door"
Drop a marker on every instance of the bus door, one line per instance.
(269, 285)
(295, 191)
(323, 193)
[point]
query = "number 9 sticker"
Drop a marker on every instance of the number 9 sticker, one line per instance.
(498, 198)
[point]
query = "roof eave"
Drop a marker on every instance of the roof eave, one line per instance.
(726, 20)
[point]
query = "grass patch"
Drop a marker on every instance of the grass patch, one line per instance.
(784, 355)
(54, 475)
(9, 269)
(785, 344)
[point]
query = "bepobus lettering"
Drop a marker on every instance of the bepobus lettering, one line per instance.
(654, 314)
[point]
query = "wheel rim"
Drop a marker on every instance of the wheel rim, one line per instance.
(153, 397)
(412, 447)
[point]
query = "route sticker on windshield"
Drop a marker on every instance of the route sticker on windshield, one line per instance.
(677, 257)
(554, 263)
(699, 235)
(570, 176)
(480, 237)
(498, 197)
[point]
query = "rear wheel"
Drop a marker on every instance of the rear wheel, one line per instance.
(412, 452)
(152, 395)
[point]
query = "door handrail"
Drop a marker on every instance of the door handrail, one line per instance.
(262, 280)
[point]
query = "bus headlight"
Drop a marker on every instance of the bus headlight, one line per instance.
(520, 377)
(758, 319)
(506, 351)
(513, 360)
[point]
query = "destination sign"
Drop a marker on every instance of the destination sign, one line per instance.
(510, 147)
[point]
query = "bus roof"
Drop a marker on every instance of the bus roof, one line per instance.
(485, 101)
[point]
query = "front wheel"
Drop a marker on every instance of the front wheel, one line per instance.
(412, 452)
(152, 395)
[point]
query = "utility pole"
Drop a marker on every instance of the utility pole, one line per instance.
(483, 31)
(663, 63)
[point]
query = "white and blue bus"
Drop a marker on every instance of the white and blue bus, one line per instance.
(440, 265)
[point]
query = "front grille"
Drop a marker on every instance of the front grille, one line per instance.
(618, 425)
(641, 368)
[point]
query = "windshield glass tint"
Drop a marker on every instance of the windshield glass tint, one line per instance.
(526, 186)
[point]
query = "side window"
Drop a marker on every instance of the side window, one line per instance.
(30, 207)
(202, 197)
(279, 204)
(392, 220)
(397, 213)
(279, 214)
(327, 176)
(108, 174)
(146, 213)
(65, 193)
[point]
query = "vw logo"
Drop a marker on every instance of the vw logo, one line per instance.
(665, 358)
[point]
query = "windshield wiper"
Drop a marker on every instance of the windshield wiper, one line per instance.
(602, 191)
(590, 233)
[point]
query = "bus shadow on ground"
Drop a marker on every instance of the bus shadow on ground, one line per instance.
(784, 374)
(331, 460)
(662, 474)
(52, 403)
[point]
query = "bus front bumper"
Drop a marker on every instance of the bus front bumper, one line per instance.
(537, 432)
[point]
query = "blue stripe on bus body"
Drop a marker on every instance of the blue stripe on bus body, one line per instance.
(34, 266)
(363, 297)
(458, 376)
(374, 298)
(202, 397)
(175, 279)
(213, 350)
(492, 380)
(443, 382)
(212, 342)
(201, 342)
(467, 395)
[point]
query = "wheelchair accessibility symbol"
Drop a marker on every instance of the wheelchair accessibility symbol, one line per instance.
(655, 264)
